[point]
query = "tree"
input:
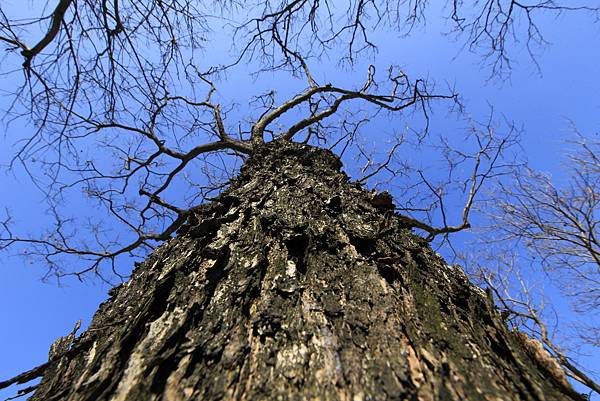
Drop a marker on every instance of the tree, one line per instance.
(558, 226)
(89, 80)
(296, 284)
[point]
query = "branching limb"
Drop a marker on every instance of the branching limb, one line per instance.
(489, 160)
(403, 94)
(56, 21)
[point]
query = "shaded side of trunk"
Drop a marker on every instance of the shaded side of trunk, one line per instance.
(294, 285)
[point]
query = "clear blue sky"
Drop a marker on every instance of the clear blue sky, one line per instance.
(33, 313)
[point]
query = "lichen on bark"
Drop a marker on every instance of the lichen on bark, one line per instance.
(294, 284)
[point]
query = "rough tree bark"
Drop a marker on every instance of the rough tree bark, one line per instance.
(296, 284)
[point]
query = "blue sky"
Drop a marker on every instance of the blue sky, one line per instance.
(35, 313)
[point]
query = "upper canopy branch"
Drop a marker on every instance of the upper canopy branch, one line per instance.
(56, 20)
(403, 94)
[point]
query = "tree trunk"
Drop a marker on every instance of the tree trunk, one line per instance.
(298, 285)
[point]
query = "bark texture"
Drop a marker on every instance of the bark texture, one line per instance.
(296, 284)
